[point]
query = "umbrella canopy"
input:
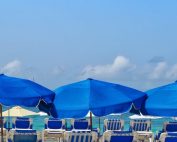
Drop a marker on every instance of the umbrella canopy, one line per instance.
(22, 92)
(161, 101)
(18, 111)
(101, 98)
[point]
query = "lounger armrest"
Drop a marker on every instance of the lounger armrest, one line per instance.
(157, 136)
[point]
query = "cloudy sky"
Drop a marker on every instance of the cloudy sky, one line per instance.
(55, 42)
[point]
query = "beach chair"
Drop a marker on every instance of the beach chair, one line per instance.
(113, 124)
(80, 124)
(54, 129)
(24, 136)
(4, 128)
(168, 137)
(142, 130)
(118, 136)
(22, 123)
(80, 136)
(140, 125)
(168, 127)
(22, 131)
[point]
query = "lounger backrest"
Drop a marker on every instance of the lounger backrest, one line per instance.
(118, 136)
(80, 136)
(22, 123)
(113, 124)
(140, 125)
(80, 124)
(53, 123)
(170, 127)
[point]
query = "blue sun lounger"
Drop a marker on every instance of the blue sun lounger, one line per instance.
(168, 127)
(141, 129)
(22, 131)
(168, 137)
(80, 136)
(54, 129)
(113, 124)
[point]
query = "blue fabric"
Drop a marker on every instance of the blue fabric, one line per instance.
(21, 92)
(24, 136)
(81, 125)
(54, 124)
(161, 101)
(122, 136)
(171, 127)
(171, 139)
(121, 139)
(25, 131)
(20, 124)
(101, 98)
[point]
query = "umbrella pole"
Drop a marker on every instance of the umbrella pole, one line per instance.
(1, 122)
(9, 118)
(91, 120)
(99, 123)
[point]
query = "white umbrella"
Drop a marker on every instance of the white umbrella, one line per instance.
(18, 111)
(143, 117)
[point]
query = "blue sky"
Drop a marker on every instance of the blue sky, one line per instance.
(60, 41)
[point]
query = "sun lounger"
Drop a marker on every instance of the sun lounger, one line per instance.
(142, 130)
(118, 136)
(54, 129)
(113, 124)
(168, 137)
(82, 125)
(24, 136)
(22, 131)
(80, 136)
(168, 127)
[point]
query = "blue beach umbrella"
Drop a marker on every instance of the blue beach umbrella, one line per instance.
(22, 92)
(161, 101)
(101, 98)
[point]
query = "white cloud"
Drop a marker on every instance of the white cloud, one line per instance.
(58, 70)
(124, 71)
(172, 72)
(12, 68)
(158, 71)
(119, 65)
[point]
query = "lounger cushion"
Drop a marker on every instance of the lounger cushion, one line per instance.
(171, 139)
(171, 127)
(21, 124)
(25, 136)
(54, 124)
(121, 139)
(80, 125)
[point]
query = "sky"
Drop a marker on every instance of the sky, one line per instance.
(56, 42)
